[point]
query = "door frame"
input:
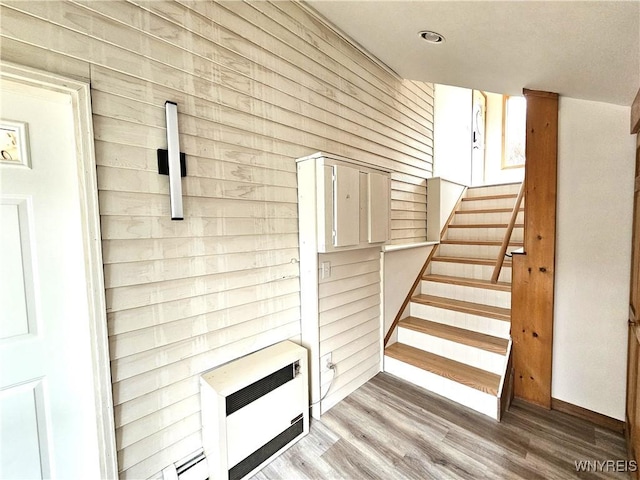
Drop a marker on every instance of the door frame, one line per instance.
(631, 405)
(80, 95)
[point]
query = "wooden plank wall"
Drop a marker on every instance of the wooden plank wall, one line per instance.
(349, 306)
(257, 85)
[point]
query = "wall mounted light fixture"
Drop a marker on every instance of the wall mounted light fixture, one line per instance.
(172, 162)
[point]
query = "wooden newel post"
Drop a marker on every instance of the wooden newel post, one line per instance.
(534, 270)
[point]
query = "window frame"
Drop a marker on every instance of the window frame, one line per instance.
(503, 161)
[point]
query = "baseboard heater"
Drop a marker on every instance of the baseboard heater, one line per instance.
(253, 409)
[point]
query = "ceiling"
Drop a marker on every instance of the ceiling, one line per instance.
(581, 49)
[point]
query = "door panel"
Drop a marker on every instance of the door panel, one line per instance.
(23, 409)
(47, 405)
(16, 281)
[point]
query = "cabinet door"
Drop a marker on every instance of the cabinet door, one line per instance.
(346, 206)
(378, 208)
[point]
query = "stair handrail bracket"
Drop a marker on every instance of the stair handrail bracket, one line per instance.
(507, 235)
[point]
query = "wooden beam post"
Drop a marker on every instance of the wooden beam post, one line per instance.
(635, 114)
(534, 271)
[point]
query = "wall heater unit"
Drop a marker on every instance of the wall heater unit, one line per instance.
(253, 409)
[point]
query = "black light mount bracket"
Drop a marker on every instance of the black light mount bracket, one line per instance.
(163, 163)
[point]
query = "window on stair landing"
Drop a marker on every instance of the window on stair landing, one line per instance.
(514, 115)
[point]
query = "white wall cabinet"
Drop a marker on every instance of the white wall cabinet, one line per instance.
(343, 210)
(345, 204)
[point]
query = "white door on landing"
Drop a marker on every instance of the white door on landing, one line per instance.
(478, 123)
(47, 405)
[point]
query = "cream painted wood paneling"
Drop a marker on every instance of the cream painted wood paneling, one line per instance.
(257, 85)
(349, 319)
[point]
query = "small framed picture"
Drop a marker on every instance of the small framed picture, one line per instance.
(14, 144)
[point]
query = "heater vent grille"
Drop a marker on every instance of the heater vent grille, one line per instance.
(253, 409)
(264, 452)
(257, 389)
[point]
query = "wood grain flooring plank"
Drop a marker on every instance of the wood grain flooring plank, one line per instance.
(299, 464)
(364, 430)
(350, 462)
(561, 426)
(412, 445)
(403, 411)
(453, 414)
(390, 429)
(493, 456)
(563, 456)
(609, 439)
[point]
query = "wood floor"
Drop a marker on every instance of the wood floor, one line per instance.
(389, 429)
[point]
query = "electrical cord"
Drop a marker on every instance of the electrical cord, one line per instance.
(332, 367)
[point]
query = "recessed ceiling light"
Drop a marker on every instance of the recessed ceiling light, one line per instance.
(431, 37)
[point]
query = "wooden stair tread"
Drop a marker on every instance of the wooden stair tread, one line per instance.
(483, 341)
(481, 243)
(474, 261)
(485, 225)
(488, 210)
(458, 372)
(491, 197)
(494, 185)
(479, 309)
(468, 282)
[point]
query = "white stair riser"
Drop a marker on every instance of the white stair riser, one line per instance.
(468, 270)
(484, 296)
(490, 326)
(470, 397)
(472, 251)
(489, 203)
(485, 218)
(489, 234)
(475, 357)
(512, 188)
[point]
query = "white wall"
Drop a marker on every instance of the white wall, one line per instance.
(257, 86)
(401, 267)
(442, 198)
(493, 172)
(349, 322)
(452, 133)
(595, 200)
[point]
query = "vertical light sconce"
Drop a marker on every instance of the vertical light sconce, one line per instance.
(172, 162)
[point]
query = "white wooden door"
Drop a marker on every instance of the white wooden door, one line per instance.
(47, 405)
(478, 122)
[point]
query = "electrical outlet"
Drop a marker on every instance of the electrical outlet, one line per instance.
(325, 361)
(325, 270)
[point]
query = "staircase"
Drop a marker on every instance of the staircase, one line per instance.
(456, 340)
